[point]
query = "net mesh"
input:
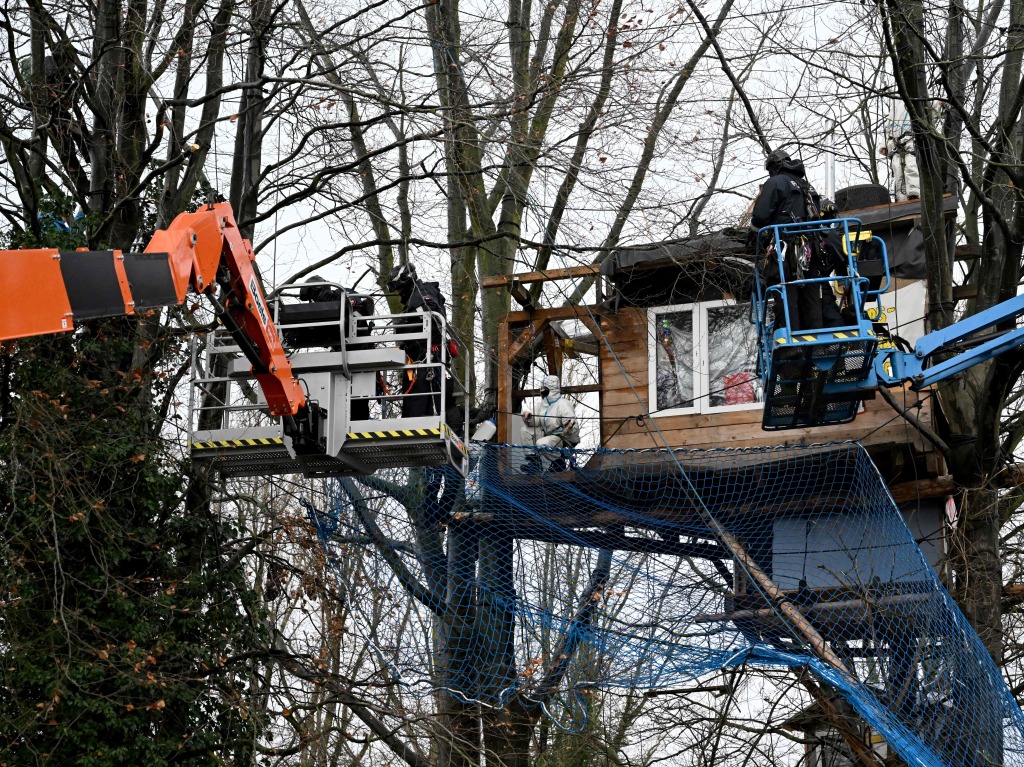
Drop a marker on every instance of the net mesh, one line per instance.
(547, 574)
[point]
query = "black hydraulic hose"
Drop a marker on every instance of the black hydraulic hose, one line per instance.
(244, 342)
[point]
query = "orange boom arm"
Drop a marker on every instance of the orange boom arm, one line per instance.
(47, 291)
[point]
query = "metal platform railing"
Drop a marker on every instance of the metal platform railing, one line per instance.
(384, 382)
(814, 376)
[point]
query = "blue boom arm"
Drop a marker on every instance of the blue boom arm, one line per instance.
(910, 366)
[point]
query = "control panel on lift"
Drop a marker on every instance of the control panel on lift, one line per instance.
(359, 371)
(818, 373)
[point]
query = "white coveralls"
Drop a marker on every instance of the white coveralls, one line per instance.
(899, 146)
(556, 425)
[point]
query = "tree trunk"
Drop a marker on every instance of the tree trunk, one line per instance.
(248, 159)
(458, 744)
(108, 72)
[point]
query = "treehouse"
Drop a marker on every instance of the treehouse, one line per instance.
(796, 525)
(674, 352)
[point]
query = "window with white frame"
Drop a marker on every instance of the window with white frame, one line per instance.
(703, 358)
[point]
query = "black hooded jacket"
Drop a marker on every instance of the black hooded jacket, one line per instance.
(781, 200)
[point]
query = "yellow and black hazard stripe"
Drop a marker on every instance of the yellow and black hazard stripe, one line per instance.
(796, 339)
(395, 433)
(230, 443)
(807, 339)
(443, 431)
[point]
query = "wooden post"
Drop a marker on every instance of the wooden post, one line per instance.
(504, 381)
(553, 351)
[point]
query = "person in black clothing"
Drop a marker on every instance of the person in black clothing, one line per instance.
(442, 485)
(787, 197)
(318, 291)
(424, 396)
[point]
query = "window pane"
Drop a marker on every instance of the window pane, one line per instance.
(674, 355)
(732, 357)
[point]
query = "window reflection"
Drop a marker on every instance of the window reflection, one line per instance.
(732, 356)
(725, 374)
(674, 377)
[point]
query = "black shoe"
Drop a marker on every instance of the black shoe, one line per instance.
(533, 465)
(559, 464)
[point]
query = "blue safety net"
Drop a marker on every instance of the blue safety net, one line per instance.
(547, 574)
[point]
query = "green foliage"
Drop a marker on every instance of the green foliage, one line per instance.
(55, 227)
(119, 617)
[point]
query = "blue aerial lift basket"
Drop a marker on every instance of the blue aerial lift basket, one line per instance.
(820, 376)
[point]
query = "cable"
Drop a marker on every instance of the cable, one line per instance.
(790, 616)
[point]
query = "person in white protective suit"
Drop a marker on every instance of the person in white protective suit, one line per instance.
(899, 148)
(555, 426)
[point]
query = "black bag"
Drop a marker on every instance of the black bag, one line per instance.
(870, 263)
(812, 200)
(832, 252)
(359, 306)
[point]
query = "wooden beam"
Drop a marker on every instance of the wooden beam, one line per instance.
(894, 212)
(552, 351)
(554, 313)
(580, 389)
(962, 292)
(913, 420)
(1012, 476)
(506, 280)
(944, 485)
(578, 346)
(938, 487)
(1013, 595)
(504, 380)
(718, 689)
(596, 539)
(524, 339)
(967, 252)
(851, 609)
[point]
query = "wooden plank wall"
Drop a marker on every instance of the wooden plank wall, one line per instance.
(627, 333)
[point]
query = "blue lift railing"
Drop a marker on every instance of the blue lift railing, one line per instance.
(815, 376)
(910, 366)
(820, 376)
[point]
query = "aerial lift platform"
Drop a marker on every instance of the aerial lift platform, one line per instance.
(310, 388)
(353, 366)
(818, 377)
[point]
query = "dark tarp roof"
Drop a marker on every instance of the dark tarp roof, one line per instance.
(682, 271)
(728, 242)
(703, 267)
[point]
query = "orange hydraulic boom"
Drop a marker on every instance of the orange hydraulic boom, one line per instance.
(46, 291)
